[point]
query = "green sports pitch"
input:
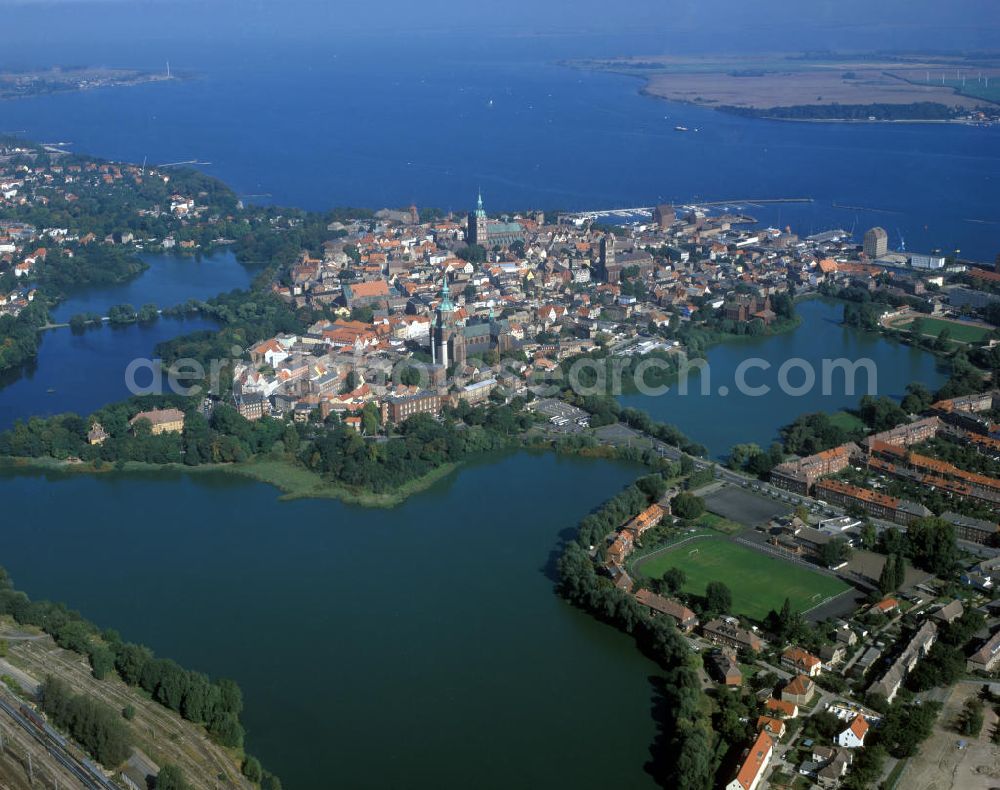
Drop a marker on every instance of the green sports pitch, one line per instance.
(759, 582)
(963, 333)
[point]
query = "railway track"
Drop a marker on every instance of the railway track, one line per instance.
(90, 777)
(52, 661)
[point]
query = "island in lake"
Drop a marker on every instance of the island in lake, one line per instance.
(822, 86)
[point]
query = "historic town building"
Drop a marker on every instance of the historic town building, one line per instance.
(489, 234)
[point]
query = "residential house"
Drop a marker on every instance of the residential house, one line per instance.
(97, 434)
(728, 634)
(831, 655)
(646, 520)
(684, 618)
(918, 646)
(986, 658)
(799, 689)
(360, 294)
(834, 767)
(949, 612)
(854, 736)
(797, 659)
(800, 475)
(723, 667)
(397, 409)
(773, 727)
(754, 764)
(780, 707)
(884, 607)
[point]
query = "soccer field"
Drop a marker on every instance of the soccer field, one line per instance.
(963, 333)
(759, 582)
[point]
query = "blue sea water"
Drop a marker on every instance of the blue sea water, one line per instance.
(431, 118)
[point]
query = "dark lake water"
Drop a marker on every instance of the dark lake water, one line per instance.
(725, 416)
(415, 647)
(83, 371)
(170, 280)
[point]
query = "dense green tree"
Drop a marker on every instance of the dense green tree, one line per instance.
(270, 782)
(942, 666)
(687, 506)
(718, 598)
(674, 580)
(917, 399)
(887, 578)
(931, 544)
(171, 778)
(899, 571)
(94, 725)
(868, 536)
(251, 769)
(881, 413)
(474, 253)
(371, 419)
(834, 552)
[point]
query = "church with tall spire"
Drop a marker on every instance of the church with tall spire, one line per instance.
(489, 234)
(478, 230)
(447, 343)
(453, 344)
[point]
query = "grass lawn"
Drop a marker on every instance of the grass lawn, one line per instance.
(759, 582)
(718, 523)
(963, 333)
(847, 422)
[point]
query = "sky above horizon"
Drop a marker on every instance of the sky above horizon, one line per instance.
(681, 25)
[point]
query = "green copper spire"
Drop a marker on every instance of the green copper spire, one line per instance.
(480, 211)
(447, 306)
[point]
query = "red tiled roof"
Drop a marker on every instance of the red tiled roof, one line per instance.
(754, 762)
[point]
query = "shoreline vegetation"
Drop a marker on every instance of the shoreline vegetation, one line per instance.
(295, 480)
(214, 704)
(682, 754)
(110, 226)
(292, 481)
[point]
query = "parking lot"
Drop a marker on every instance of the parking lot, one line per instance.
(562, 416)
(744, 506)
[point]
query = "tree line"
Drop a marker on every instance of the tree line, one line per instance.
(215, 704)
(683, 752)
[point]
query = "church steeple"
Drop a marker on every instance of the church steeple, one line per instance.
(477, 229)
(444, 326)
(447, 306)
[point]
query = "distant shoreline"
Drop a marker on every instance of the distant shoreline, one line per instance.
(57, 81)
(786, 87)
